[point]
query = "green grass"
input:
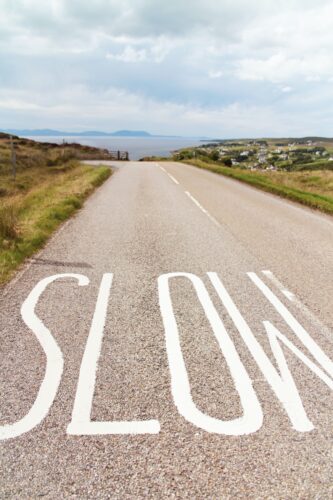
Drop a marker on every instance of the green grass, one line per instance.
(34, 205)
(288, 186)
(315, 165)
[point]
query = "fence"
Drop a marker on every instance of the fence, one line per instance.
(103, 155)
(119, 155)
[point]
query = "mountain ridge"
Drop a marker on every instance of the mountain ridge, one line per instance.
(45, 132)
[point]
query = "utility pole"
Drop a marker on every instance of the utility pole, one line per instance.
(13, 157)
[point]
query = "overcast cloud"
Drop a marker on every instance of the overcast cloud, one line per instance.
(227, 68)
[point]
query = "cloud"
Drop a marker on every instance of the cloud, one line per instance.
(286, 89)
(114, 108)
(145, 50)
(196, 66)
(129, 54)
(215, 74)
(283, 67)
(288, 47)
(76, 21)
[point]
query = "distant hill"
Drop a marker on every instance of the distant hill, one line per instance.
(45, 132)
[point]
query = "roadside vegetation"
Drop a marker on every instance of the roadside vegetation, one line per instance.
(266, 154)
(298, 169)
(50, 185)
(313, 190)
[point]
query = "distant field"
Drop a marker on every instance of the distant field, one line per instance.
(50, 186)
(311, 188)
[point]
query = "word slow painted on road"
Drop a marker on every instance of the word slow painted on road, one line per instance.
(281, 381)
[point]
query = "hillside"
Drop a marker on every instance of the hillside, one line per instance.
(31, 153)
(50, 184)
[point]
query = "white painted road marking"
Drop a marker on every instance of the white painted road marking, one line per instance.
(298, 329)
(173, 179)
(169, 175)
(273, 334)
(192, 198)
(290, 296)
(281, 381)
(252, 417)
(81, 423)
(283, 385)
(296, 302)
(202, 209)
(54, 360)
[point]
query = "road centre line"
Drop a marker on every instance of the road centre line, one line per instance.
(195, 201)
(169, 175)
(292, 297)
(192, 198)
(172, 178)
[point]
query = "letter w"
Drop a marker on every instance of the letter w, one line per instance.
(282, 383)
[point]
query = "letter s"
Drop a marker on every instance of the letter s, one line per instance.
(54, 360)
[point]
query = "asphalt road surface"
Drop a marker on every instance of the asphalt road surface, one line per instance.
(173, 340)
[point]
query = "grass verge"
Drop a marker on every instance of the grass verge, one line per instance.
(288, 185)
(35, 204)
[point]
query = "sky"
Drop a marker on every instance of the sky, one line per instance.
(215, 68)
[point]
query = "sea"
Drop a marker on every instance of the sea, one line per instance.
(137, 147)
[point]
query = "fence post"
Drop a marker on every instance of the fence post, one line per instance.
(13, 157)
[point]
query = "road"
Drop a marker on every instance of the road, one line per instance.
(173, 340)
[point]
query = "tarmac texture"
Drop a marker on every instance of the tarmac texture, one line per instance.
(194, 361)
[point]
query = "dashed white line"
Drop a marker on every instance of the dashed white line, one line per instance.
(169, 175)
(192, 198)
(173, 179)
(292, 297)
(202, 209)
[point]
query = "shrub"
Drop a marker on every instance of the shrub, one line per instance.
(214, 155)
(8, 221)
